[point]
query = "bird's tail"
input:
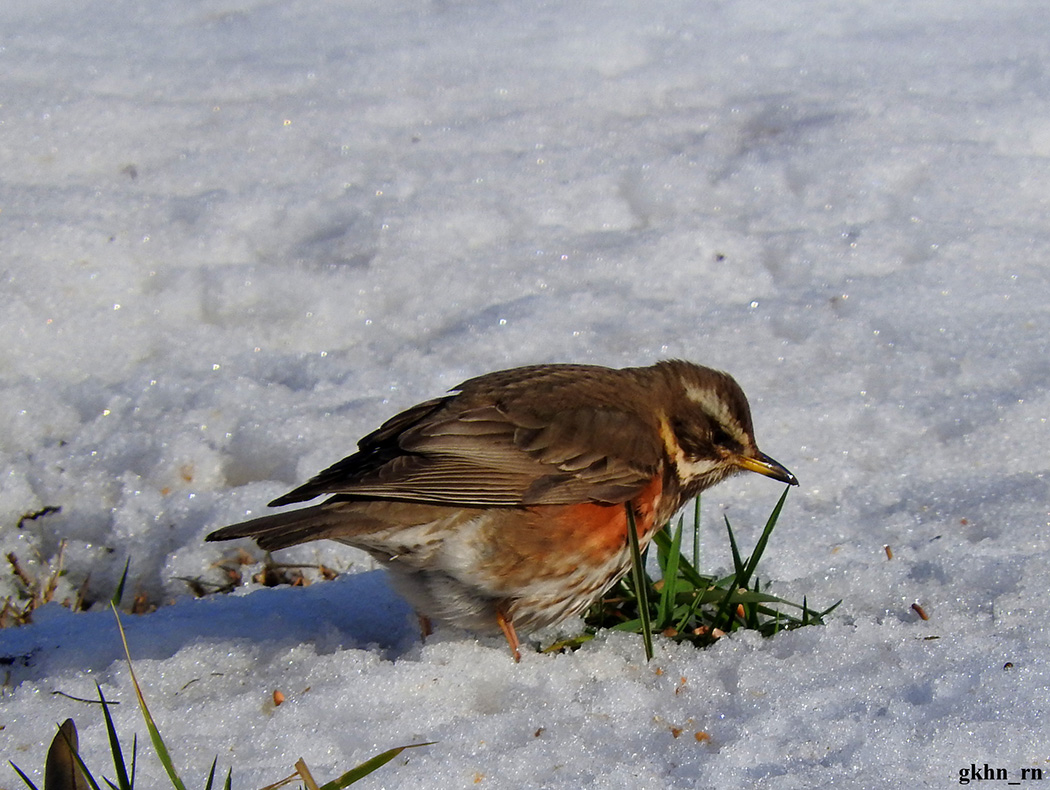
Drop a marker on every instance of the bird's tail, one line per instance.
(282, 530)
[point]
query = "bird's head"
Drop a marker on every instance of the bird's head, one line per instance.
(707, 430)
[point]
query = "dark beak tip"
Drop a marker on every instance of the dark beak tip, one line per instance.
(775, 470)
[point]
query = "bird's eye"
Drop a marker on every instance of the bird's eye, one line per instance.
(692, 445)
(720, 438)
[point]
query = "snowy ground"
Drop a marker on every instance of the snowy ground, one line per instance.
(237, 234)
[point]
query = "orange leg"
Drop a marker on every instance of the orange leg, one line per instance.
(507, 627)
(425, 627)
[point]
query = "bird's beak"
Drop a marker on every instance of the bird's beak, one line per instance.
(765, 465)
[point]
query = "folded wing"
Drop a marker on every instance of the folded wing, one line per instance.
(449, 452)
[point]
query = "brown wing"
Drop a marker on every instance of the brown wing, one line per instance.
(550, 435)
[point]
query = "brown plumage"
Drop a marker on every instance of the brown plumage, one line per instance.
(503, 505)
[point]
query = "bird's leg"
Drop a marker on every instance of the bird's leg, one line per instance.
(425, 627)
(507, 627)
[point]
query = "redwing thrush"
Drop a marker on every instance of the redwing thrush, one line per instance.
(503, 505)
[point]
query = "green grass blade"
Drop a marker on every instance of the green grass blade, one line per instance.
(638, 574)
(751, 597)
(738, 562)
(25, 778)
(685, 568)
(760, 546)
(723, 618)
(134, 756)
(211, 774)
(151, 726)
(696, 531)
(630, 626)
(571, 643)
(368, 766)
(662, 547)
(118, 594)
(123, 783)
(829, 610)
(668, 595)
(752, 611)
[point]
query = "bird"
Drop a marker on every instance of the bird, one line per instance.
(502, 506)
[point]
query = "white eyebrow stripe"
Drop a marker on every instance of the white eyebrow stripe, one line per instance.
(717, 408)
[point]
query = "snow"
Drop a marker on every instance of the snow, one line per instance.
(237, 235)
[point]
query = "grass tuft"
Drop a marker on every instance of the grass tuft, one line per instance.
(688, 606)
(33, 591)
(66, 770)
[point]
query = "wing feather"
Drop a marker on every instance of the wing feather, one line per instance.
(554, 447)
